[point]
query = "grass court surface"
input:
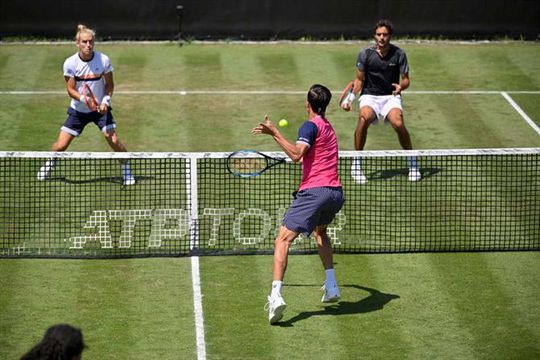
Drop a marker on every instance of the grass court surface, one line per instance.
(207, 98)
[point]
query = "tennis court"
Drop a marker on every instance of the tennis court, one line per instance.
(206, 98)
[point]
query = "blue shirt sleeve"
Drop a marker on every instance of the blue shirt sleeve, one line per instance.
(307, 133)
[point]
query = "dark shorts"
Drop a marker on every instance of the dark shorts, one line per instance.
(313, 207)
(77, 121)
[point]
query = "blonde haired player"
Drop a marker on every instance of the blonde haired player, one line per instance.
(89, 83)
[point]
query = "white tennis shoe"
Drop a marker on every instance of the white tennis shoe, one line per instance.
(357, 173)
(414, 175)
(275, 307)
(127, 178)
(331, 294)
(45, 171)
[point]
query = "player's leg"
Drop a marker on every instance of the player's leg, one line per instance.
(395, 117)
(276, 305)
(282, 244)
(63, 141)
(326, 253)
(365, 116)
(111, 136)
(332, 202)
(61, 144)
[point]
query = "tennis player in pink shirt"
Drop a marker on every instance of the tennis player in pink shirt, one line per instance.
(318, 199)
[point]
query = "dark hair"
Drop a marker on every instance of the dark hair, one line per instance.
(60, 342)
(386, 23)
(318, 98)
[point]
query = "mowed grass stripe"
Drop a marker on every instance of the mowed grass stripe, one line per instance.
(456, 121)
(367, 310)
(127, 308)
(506, 268)
(426, 320)
(482, 307)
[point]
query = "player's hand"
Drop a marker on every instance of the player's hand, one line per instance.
(266, 127)
(345, 105)
(103, 108)
(397, 89)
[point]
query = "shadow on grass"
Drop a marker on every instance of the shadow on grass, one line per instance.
(375, 301)
(111, 179)
(390, 173)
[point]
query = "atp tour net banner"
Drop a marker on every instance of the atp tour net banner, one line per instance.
(103, 205)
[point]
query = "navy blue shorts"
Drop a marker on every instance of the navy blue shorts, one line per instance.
(313, 207)
(77, 121)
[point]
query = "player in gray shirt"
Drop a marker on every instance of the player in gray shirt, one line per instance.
(382, 73)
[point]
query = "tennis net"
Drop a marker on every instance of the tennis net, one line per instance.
(187, 203)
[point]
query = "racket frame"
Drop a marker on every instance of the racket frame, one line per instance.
(270, 162)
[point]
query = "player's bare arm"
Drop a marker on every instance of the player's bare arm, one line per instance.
(294, 151)
(357, 87)
(71, 87)
(109, 89)
(403, 84)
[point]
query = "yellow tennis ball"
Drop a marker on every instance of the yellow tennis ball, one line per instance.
(283, 123)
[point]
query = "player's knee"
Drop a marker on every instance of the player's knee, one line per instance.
(59, 146)
(363, 122)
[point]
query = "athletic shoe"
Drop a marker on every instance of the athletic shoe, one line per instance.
(414, 175)
(330, 294)
(357, 174)
(127, 177)
(275, 307)
(45, 171)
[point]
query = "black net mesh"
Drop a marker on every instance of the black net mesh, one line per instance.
(184, 204)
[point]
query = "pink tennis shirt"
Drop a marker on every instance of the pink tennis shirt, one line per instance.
(320, 162)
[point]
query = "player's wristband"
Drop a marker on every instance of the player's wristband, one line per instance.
(348, 99)
(106, 100)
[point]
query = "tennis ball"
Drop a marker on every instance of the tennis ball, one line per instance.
(283, 123)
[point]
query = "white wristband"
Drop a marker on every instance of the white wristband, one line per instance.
(350, 98)
(106, 100)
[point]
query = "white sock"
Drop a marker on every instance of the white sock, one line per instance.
(126, 169)
(356, 166)
(411, 160)
(276, 288)
(330, 281)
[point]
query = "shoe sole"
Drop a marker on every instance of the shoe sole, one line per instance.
(361, 181)
(278, 314)
(128, 182)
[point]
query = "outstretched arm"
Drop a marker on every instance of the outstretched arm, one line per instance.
(294, 151)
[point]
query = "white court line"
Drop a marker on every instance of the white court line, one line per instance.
(198, 309)
(259, 92)
(521, 112)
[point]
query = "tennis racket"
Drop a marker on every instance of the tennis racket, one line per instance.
(89, 98)
(346, 92)
(250, 163)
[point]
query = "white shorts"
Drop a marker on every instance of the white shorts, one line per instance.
(381, 105)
